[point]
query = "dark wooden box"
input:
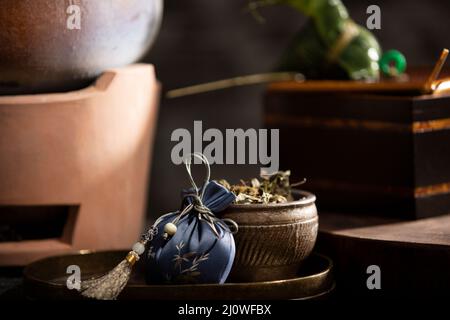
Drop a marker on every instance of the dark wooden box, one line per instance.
(366, 152)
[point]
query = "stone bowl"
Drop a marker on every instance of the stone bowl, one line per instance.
(58, 46)
(273, 239)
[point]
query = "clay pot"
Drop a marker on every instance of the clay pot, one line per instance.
(273, 240)
(42, 50)
(80, 160)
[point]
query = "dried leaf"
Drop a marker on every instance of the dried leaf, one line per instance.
(274, 188)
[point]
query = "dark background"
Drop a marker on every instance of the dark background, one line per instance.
(204, 40)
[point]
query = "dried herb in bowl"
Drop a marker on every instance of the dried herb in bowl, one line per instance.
(274, 188)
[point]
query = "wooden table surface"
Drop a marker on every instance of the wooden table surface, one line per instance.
(413, 256)
(431, 231)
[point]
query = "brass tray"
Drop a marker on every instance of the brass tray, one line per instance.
(46, 279)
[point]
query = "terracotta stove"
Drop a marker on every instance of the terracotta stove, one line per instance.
(74, 166)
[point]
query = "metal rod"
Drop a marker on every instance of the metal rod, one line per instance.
(235, 82)
(429, 85)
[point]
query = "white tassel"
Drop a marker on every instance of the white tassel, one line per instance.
(109, 286)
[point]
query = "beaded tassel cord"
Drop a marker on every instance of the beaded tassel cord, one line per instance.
(109, 286)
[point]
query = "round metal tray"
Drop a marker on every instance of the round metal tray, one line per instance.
(46, 279)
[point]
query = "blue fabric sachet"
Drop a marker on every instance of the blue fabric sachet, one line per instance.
(202, 250)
